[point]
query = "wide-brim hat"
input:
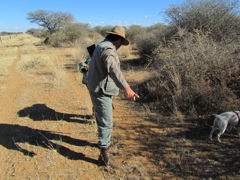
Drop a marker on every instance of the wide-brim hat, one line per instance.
(119, 31)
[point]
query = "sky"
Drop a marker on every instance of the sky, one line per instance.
(13, 14)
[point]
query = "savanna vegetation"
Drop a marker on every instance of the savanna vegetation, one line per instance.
(184, 71)
(197, 59)
(195, 56)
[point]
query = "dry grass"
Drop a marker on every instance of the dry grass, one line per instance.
(18, 40)
(43, 69)
(79, 52)
(4, 63)
(36, 61)
(124, 51)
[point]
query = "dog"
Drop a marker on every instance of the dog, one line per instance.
(221, 121)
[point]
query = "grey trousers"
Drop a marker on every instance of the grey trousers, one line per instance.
(103, 112)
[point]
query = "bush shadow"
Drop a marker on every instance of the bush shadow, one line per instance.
(135, 64)
(186, 151)
(12, 135)
(40, 112)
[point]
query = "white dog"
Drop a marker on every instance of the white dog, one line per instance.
(222, 120)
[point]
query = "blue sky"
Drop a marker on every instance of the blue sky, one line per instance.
(13, 14)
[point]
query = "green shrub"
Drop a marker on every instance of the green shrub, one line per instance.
(74, 31)
(58, 38)
(36, 32)
(103, 29)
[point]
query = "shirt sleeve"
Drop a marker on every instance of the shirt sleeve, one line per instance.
(112, 64)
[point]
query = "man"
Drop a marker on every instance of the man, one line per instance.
(104, 81)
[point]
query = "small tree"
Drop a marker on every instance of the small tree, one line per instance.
(52, 21)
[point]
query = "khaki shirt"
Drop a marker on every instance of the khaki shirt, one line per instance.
(104, 70)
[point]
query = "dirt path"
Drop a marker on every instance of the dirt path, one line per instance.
(46, 133)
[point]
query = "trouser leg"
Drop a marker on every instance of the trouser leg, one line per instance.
(103, 113)
(104, 117)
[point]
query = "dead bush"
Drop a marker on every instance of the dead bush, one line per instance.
(196, 76)
(220, 18)
(146, 40)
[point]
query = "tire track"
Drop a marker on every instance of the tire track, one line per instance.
(14, 84)
(9, 105)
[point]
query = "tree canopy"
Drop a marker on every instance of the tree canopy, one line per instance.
(52, 21)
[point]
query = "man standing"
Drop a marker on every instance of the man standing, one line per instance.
(104, 81)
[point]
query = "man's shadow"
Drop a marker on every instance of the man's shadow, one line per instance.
(12, 135)
(40, 112)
